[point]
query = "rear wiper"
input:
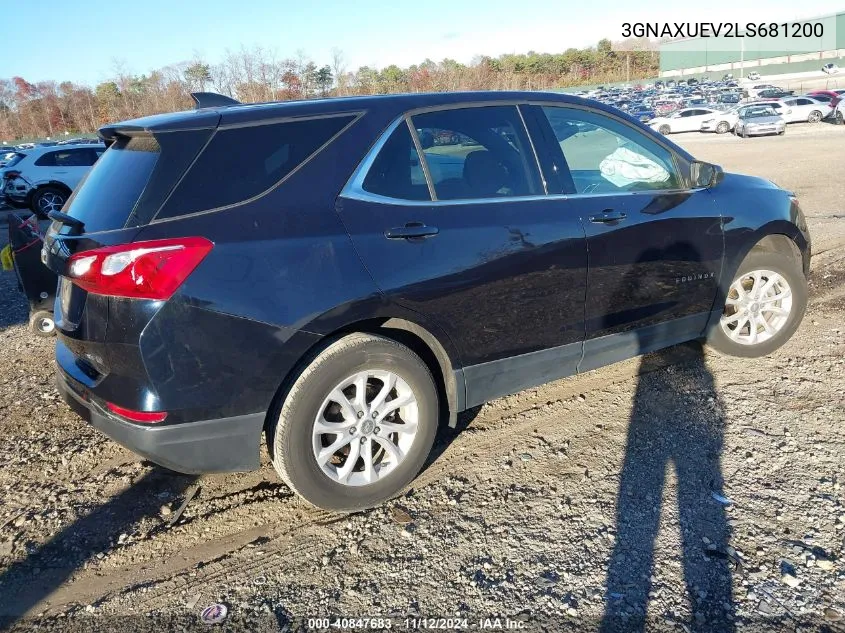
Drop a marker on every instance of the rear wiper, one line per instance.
(64, 218)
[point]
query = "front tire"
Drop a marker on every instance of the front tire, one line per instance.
(764, 306)
(356, 425)
(815, 117)
(722, 127)
(665, 130)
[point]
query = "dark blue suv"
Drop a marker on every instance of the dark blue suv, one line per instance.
(340, 276)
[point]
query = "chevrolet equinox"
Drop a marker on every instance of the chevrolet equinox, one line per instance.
(339, 276)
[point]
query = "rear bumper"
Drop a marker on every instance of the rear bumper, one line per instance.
(208, 446)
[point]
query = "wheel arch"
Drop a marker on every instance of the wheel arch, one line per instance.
(58, 184)
(777, 236)
(53, 184)
(443, 364)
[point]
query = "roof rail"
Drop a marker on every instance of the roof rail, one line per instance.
(212, 100)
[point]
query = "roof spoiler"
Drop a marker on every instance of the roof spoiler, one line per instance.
(212, 100)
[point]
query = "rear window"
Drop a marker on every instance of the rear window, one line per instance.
(243, 162)
(12, 158)
(109, 192)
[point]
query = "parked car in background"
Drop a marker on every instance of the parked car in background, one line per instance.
(687, 120)
(825, 95)
(830, 68)
(642, 113)
(80, 141)
(721, 121)
(728, 97)
(797, 109)
(838, 114)
(774, 93)
(755, 90)
(759, 119)
(754, 76)
(44, 177)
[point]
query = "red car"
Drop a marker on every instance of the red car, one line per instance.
(834, 97)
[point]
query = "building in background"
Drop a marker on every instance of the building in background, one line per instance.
(765, 55)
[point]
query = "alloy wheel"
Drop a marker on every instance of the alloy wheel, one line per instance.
(365, 427)
(757, 307)
(50, 201)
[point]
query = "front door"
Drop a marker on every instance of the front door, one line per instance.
(468, 239)
(654, 245)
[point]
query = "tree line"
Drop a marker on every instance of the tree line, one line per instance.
(53, 108)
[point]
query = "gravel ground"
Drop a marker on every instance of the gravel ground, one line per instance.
(684, 491)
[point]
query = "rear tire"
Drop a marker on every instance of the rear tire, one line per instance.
(325, 397)
(758, 318)
(42, 324)
(48, 199)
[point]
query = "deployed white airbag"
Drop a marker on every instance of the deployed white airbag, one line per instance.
(624, 167)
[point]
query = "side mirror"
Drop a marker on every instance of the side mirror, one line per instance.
(705, 174)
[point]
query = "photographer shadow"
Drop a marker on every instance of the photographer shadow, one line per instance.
(677, 422)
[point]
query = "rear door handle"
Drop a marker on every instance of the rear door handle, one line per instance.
(608, 216)
(410, 231)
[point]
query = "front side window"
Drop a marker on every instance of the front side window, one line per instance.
(605, 155)
(475, 153)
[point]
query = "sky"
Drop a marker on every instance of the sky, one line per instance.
(85, 41)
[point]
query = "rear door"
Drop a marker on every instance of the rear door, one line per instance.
(654, 244)
(450, 216)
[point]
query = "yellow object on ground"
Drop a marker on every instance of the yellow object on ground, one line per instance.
(6, 257)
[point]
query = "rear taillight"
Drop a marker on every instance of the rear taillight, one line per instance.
(146, 417)
(11, 174)
(141, 270)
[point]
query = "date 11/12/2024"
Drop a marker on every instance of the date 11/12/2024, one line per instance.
(418, 623)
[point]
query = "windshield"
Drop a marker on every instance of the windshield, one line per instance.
(751, 113)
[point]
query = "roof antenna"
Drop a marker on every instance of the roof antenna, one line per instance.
(212, 100)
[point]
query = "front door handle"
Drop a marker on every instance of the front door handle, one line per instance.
(608, 216)
(410, 231)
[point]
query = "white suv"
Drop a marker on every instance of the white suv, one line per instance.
(43, 178)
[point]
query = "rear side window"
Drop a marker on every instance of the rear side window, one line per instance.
(477, 153)
(396, 171)
(242, 162)
(67, 158)
(108, 194)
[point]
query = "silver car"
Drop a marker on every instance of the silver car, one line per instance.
(759, 119)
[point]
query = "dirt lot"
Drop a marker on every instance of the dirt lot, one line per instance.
(698, 491)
